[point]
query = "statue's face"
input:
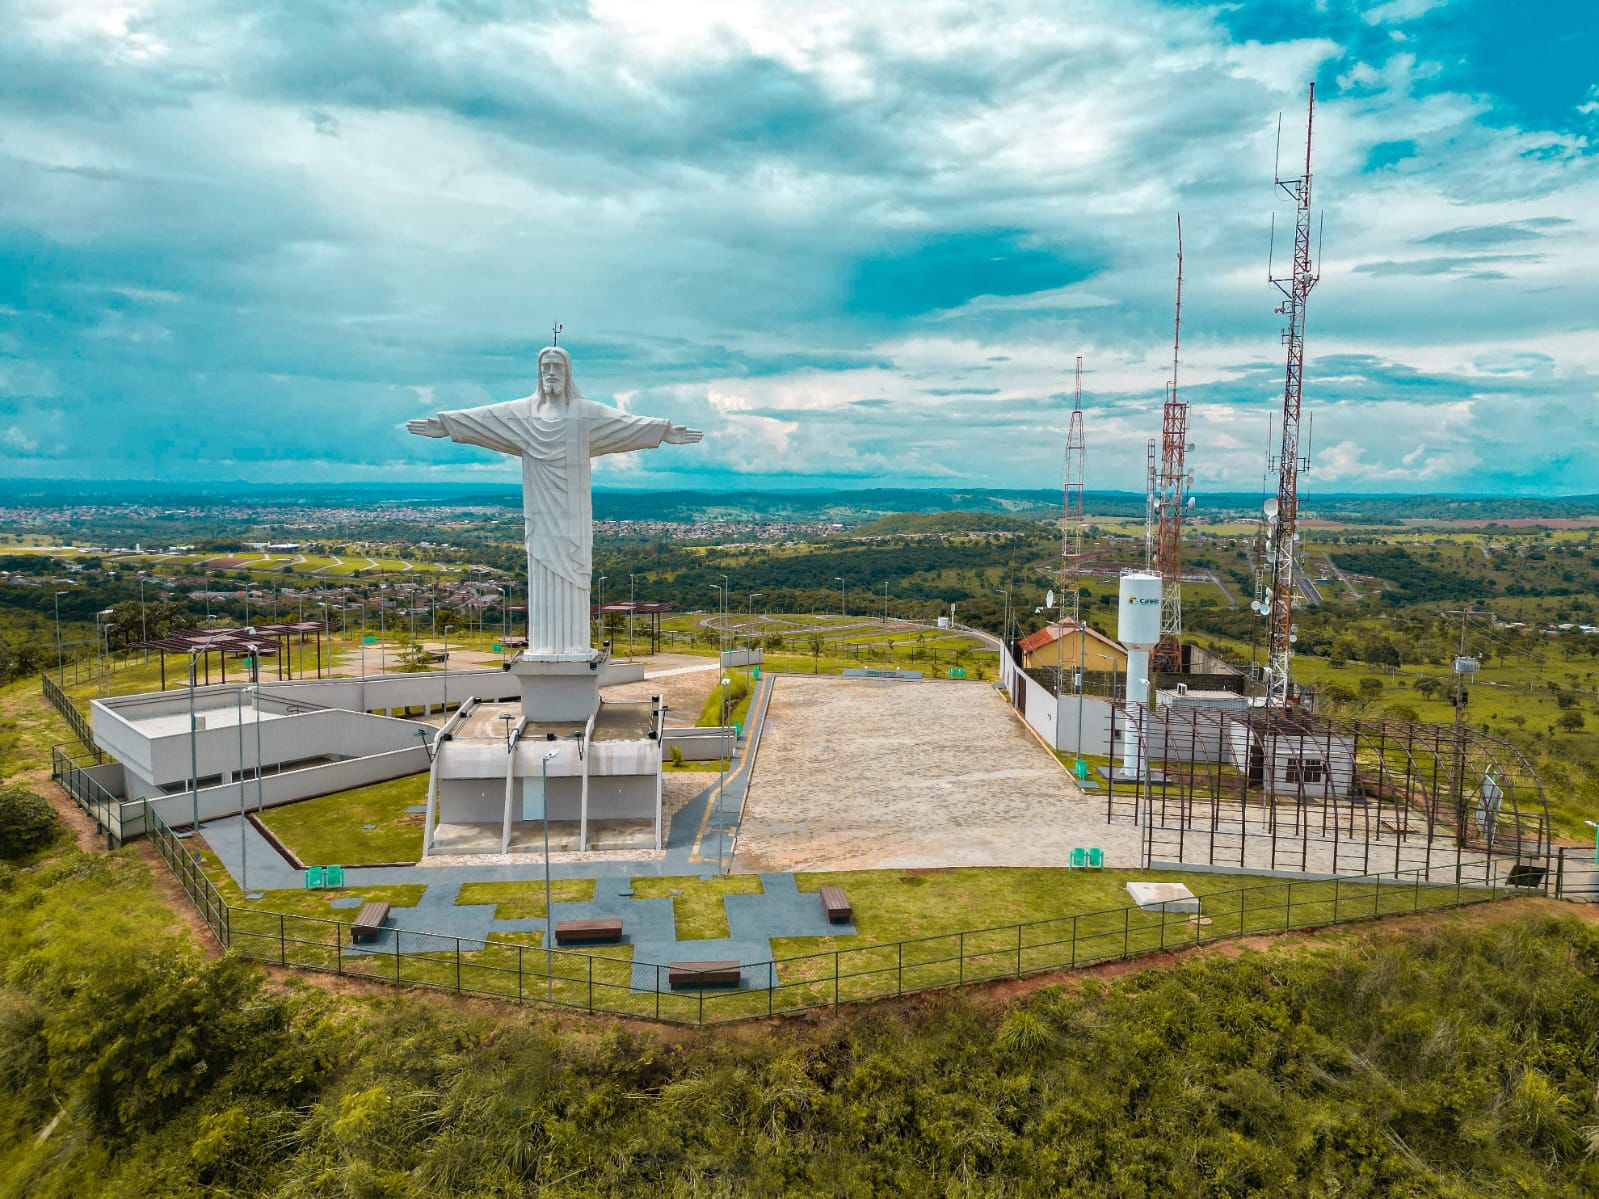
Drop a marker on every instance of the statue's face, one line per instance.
(552, 375)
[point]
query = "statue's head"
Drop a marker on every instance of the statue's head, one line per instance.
(555, 375)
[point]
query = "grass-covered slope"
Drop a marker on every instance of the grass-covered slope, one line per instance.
(1452, 1059)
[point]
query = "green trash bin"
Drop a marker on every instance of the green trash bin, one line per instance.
(756, 673)
(369, 639)
(315, 878)
(334, 877)
(738, 729)
(1080, 769)
(497, 647)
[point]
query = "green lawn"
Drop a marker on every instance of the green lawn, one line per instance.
(330, 828)
(697, 906)
(525, 900)
(299, 902)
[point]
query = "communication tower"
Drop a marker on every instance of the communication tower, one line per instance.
(1283, 511)
(1151, 484)
(1170, 497)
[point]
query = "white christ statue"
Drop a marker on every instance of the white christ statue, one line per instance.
(555, 432)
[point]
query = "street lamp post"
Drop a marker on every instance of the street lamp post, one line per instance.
(446, 676)
(599, 613)
(194, 750)
(61, 661)
(1004, 621)
(549, 921)
(244, 840)
(721, 831)
(144, 627)
(102, 629)
(632, 605)
(721, 601)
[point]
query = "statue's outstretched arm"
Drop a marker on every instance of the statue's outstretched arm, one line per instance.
(682, 435)
(428, 426)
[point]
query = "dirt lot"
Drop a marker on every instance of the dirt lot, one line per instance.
(856, 774)
(681, 680)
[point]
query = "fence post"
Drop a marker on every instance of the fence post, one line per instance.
(458, 965)
(1163, 926)
(227, 926)
(396, 957)
(338, 950)
(701, 1020)
(1288, 909)
(1560, 872)
(1415, 900)
(591, 984)
(657, 991)
(771, 985)
(960, 954)
(901, 990)
(1127, 915)
(1018, 951)
(835, 979)
(519, 974)
(1335, 899)
(1074, 942)
(283, 944)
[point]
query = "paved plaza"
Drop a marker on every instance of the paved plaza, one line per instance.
(859, 773)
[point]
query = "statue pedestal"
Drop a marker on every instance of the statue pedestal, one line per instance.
(560, 687)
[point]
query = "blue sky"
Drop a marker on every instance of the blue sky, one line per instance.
(857, 244)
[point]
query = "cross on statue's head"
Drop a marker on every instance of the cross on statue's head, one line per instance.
(555, 333)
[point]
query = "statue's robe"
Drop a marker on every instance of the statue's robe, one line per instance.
(557, 503)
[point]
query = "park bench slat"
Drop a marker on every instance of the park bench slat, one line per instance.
(588, 932)
(368, 921)
(703, 974)
(837, 906)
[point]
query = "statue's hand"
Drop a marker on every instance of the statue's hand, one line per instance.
(682, 435)
(428, 426)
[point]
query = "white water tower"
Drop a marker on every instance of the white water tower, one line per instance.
(1137, 628)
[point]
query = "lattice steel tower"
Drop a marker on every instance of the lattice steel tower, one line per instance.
(1284, 511)
(1170, 496)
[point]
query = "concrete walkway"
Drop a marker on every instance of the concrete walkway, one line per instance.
(700, 842)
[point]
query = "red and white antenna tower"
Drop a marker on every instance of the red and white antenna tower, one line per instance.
(1170, 496)
(1151, 481)
(1074, 523)
(1283, 511)
(1072, 550)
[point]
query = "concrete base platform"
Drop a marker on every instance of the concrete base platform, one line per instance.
(1163, 897)
(528, 837)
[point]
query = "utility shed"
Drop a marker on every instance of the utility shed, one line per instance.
(1292, 754)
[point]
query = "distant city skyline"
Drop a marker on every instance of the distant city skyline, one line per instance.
(857, 245)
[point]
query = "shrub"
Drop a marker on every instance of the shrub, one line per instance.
(27, 824)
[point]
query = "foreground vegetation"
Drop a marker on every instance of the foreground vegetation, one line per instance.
(1450, 1061)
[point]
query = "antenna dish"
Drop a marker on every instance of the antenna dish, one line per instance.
(1270, 507)
(1049, 599)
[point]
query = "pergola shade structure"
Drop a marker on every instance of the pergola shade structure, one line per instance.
(255, 641)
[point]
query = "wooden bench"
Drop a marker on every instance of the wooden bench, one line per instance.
(601, 931)
(368, 920)
(703, 974)
(836, 904)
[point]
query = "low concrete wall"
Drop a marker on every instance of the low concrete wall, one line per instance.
(702, 743)
(1056, 720)
(279, 789)
(387, 692)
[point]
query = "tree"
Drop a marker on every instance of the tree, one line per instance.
(815, 642)
(1428, 686)
(27, 823)
(1570, 721)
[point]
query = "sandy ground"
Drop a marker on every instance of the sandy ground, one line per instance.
(857, 774)
(609, 840)
(682, 681)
